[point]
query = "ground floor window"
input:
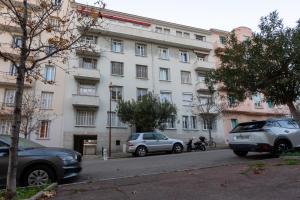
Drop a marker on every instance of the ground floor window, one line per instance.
(171, 123)
(85, 118)
(207, 125)
(115, 121)
(5, 126)
(44, 129)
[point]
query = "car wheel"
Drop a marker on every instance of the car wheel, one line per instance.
(177, 148)
(202, 148)
(241, 153)
(281, 147)
(141, 151)
(38, 175)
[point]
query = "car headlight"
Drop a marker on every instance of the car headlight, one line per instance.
(68, 159)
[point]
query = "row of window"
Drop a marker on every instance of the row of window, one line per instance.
(48, 75)
(179, 33)
(87, 118)
(46, 99)
(117, 46)
(117, 69)
(42, 132)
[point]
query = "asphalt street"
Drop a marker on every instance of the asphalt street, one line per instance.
(97, 169)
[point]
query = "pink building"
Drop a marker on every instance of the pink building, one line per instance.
(252, 109)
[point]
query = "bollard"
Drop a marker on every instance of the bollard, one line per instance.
(104, 154)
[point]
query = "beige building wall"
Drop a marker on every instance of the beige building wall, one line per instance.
(128, 29)
(67, 102)
(54, 113)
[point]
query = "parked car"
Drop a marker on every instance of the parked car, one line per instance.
(273, 135)
(38, 165)
(140, 144)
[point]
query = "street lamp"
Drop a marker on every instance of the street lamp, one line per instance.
(109, 134)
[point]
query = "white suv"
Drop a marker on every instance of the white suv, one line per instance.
(273, 135)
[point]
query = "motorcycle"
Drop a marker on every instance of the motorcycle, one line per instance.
(198, 146)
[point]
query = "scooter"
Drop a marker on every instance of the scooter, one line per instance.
(198, 146)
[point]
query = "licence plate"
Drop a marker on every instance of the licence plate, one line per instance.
(242, 137)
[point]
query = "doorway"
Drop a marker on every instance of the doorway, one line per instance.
(85, 144)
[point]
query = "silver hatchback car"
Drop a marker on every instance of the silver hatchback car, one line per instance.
(139, 144)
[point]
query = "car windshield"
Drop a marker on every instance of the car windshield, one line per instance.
(23, 143)
(249, 127)
(133, 137)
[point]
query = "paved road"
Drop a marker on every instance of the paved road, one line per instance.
(155, 164)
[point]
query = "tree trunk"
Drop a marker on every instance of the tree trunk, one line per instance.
(13, 150)
(209, 134)
(295, 113)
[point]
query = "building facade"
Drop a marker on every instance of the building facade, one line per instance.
(132, 55)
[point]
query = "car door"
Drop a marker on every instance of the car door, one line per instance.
(291, 130)
(150, 142)
(3, 162)
(164, 144)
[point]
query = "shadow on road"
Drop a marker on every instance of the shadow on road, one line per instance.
(262, 156)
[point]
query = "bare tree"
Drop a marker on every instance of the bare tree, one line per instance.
(47, 31)
(32, 113)
(209, 106)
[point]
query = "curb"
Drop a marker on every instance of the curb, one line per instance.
(41, 193)
(290, 157)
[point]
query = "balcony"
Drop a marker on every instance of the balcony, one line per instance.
(151, 36)
(86, 74)
(85, 101)
(203, 65)
(7, 79)
(6, 109)
(201, 86)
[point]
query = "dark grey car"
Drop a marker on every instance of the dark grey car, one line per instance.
(38, 165)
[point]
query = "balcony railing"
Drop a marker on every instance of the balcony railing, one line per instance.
(10, 79)
(85, 101)
(203, 65)
(201, 86)
(151, 36)
(88, 74)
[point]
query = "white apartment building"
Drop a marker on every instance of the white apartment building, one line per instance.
(136, 55)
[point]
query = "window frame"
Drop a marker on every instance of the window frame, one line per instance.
(184, 56)
(116, 122)
(52, 74)
(161, 49)
(140, 49)
(49, 102)
(164, 92)
(189, 77)
(80, 120)
(114, 43)
(121, 65)
(168, 74)
(138, 96)
(47, 129)
(145, 70)
(116, 88)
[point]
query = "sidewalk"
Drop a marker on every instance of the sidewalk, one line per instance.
(269, 179)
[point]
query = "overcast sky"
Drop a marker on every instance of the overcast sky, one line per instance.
(220, 14)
